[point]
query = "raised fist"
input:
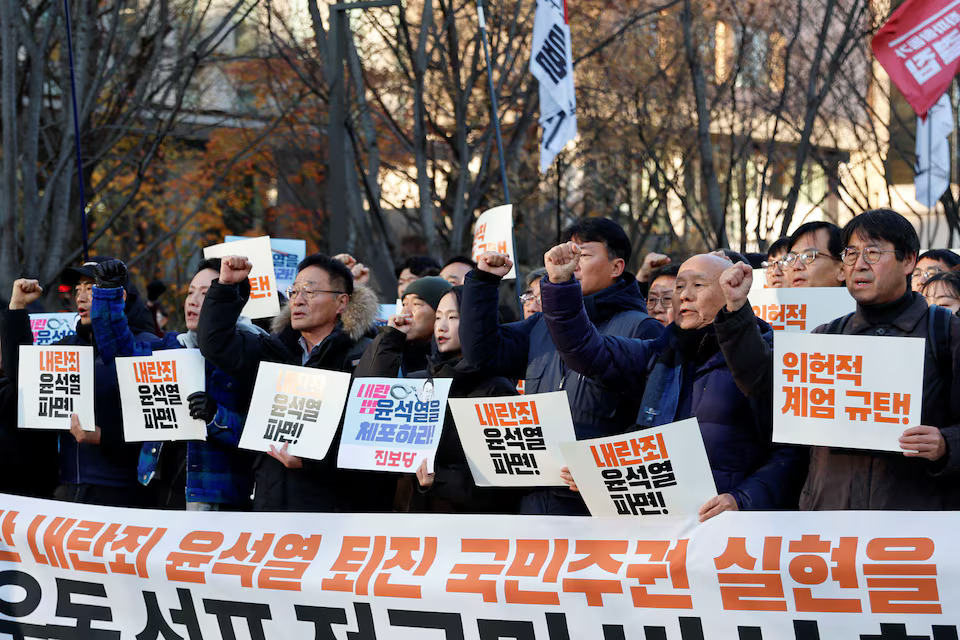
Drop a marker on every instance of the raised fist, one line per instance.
(234, 269)
(735, 284)
(360, 271)
(110, 274)
(562, 261)
(499, 264)
(24, 292)
(651, 261)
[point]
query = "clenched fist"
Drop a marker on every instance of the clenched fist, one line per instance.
(651, 262)
(562, 261)
(110, 274)
(499, 264)
(234, 269)
(735, 284)
(24, 292)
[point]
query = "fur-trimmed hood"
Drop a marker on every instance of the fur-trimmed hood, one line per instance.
(358, 318)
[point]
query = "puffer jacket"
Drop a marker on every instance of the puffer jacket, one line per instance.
(692, 374)
(319, 485)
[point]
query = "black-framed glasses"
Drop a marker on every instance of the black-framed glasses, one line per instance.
(771, 265)
(530, 297)
(806, 256)
(871, 255)
(665, 302)
(929, 272)
(307, 293)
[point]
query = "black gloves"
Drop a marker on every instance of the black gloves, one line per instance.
(110, 274)
(202, 406)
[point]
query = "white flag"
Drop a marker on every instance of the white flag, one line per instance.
(551, 63)
(933, 152)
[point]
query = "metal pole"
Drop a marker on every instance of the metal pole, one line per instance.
(559, 195)
(76, 133)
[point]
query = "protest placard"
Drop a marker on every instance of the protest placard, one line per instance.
(52, 383)
(514, 441)
(48, 328)
(299, 406)
(263, 302)
(850, 391)
(802, 309)
(493, 231)
(153, 395)
(287, 254)
(658, 471)
(393, 424)
(759, 282)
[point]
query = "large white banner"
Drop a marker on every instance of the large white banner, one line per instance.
(493, 231)
(514, 441)
(297, 406)
(654, 472)
(98, 573)
(393, 424)
(52, 383)
(858, 392)
(263, 302)
(153, 395)
(803, 309)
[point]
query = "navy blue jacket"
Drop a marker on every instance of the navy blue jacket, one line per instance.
(692, 374)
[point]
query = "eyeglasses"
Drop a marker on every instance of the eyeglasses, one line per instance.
(806, 257)
(770, 265)
(530, 297)
(929, 272)
(871, 255)
(308, 294)
(666, 303)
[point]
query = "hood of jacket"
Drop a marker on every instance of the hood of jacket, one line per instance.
(622, 295)
(357, 319)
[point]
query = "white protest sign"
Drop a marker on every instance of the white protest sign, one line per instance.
(514, 441)
(846, 391)
(48, 328)
(759, 282)
(263, 301)
(53, 382)
(287, 254)
(493, 231)
(153, 395)
(802, 309)
(296, 405)
(393, 424)
(658, 471)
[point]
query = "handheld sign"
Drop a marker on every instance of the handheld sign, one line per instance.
(841, 390)
(493, 231)
(514, 441)
(287, 254)
(153, 395)
(48, 328)
(393, 424)
(53, 382)
(263, 302)
(299, 406)
(658, 471)
(802, 309)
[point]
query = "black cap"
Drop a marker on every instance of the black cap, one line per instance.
(72, 275)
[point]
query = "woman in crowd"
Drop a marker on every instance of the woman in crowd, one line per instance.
(943, 290)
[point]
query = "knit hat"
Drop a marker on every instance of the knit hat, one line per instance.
(429, 289)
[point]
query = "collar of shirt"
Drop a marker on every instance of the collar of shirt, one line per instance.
(306, 352)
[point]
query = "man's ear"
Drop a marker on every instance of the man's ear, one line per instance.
(618, 266)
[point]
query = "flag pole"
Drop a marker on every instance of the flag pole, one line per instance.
(76, 133)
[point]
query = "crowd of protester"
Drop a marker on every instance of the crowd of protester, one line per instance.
(678, 340)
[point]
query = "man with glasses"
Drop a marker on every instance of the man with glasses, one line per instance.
(930, 263)
(813, 258)
(324, 325)
(880, 254)
(773, 265)
(530, 299)
(660, 297)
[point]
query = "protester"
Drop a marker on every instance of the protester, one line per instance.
(456, 268)
(943, 290)
(930, 263)
(530, 298)
(773, 266)
(813, 259)
(413, 268)
(322, 326)
(450, 488)
(660, 297)
(97, 466)
(210, 475)
(695, 369)
(651, 262)
(880, 254)
(524, 350)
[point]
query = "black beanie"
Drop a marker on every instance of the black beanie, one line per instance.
(430, 289)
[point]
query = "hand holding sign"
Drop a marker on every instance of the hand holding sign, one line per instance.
(562, 261)
(24, 292)
(234, 269)
(717, 505)
(499, 264)
(923, 442)
(735, 283)
(81, 435)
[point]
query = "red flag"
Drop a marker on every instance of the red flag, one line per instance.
(919, 46)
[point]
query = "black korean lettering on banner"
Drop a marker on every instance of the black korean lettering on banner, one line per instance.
(449, 623)
(226, 610)
(323, 619)
(157, 626)
(503, 629)
(552, 56)
(84, 614)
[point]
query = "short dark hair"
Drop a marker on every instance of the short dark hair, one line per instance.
(208, 263)
(419, 266)
(457, 260)
(339, 274)
(949, 278)
(780, 245)
(536, 274)
(884, 224)
(834, 244)
(669, 270)
(604, 230)
(941, 255)
(735, 257)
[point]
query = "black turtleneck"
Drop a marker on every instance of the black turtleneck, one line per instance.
(888, 312)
